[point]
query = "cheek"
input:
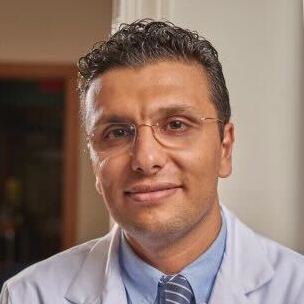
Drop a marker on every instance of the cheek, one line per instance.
(199, 170)
(109, 174)
(199, 162)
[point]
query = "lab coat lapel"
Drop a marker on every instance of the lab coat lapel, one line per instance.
(226, 292)
(99, 280)
(114, 289)
(245, 266)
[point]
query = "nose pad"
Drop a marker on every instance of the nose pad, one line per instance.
(136, 132)
(148, 156)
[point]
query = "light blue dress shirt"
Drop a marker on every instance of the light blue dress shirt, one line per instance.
(141, 279)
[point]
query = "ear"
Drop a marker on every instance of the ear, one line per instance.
(225, 167)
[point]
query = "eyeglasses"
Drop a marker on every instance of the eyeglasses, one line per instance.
(175, 132)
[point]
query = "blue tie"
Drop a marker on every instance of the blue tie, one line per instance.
(177, 290)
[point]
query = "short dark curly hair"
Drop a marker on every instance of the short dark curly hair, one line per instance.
(146, 41)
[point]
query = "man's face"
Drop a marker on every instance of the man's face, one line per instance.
(152, 190)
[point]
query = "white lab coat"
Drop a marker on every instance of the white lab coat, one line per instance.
(254, 270)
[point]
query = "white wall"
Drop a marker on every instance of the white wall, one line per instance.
(261, 47)
(260, 44)
(60, 31)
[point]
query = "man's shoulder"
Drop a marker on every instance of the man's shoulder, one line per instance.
(264, 265)
(275, 251)
(283, 259)
(62, 263)
(278, 255)
(53, 275)
(287, 281)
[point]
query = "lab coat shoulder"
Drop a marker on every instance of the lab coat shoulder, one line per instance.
(48, 281)
(257, 270)
(288, 266)
(254, 270)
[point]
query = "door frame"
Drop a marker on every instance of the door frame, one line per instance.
(67, 73)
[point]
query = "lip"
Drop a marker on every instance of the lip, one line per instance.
(151, 192)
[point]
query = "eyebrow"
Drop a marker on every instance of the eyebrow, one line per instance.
(162, 111)
(110, 118)
(176, 109)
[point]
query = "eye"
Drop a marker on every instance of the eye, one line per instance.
(176, 125)
(118, 132)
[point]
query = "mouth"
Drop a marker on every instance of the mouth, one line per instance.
(151, 192)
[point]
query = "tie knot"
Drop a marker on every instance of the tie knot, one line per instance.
(177, 290)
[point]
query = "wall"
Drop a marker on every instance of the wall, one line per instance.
(60, 31)
(261, 47)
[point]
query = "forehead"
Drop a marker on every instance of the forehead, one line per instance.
(138, 93)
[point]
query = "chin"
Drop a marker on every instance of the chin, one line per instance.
(154, 231)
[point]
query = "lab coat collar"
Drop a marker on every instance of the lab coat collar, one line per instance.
(245, 266)
(98, 282)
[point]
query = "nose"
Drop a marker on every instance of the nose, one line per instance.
(148, 156)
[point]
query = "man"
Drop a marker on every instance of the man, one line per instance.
(156, 112)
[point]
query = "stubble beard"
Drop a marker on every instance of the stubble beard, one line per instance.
(162, 234)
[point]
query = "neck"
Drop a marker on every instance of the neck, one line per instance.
(172, 257)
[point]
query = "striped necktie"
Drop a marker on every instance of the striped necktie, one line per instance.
(177, 290)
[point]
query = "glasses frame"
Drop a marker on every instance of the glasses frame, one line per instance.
(136, 127)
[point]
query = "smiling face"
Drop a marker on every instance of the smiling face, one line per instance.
(154, 191)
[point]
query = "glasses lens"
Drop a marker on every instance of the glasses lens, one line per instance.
(112, 137)
(178, 131)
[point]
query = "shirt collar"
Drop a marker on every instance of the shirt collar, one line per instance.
(141, 279)
(202, 272)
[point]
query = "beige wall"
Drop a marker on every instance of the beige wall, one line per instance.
(59, 31)
(54, 31)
